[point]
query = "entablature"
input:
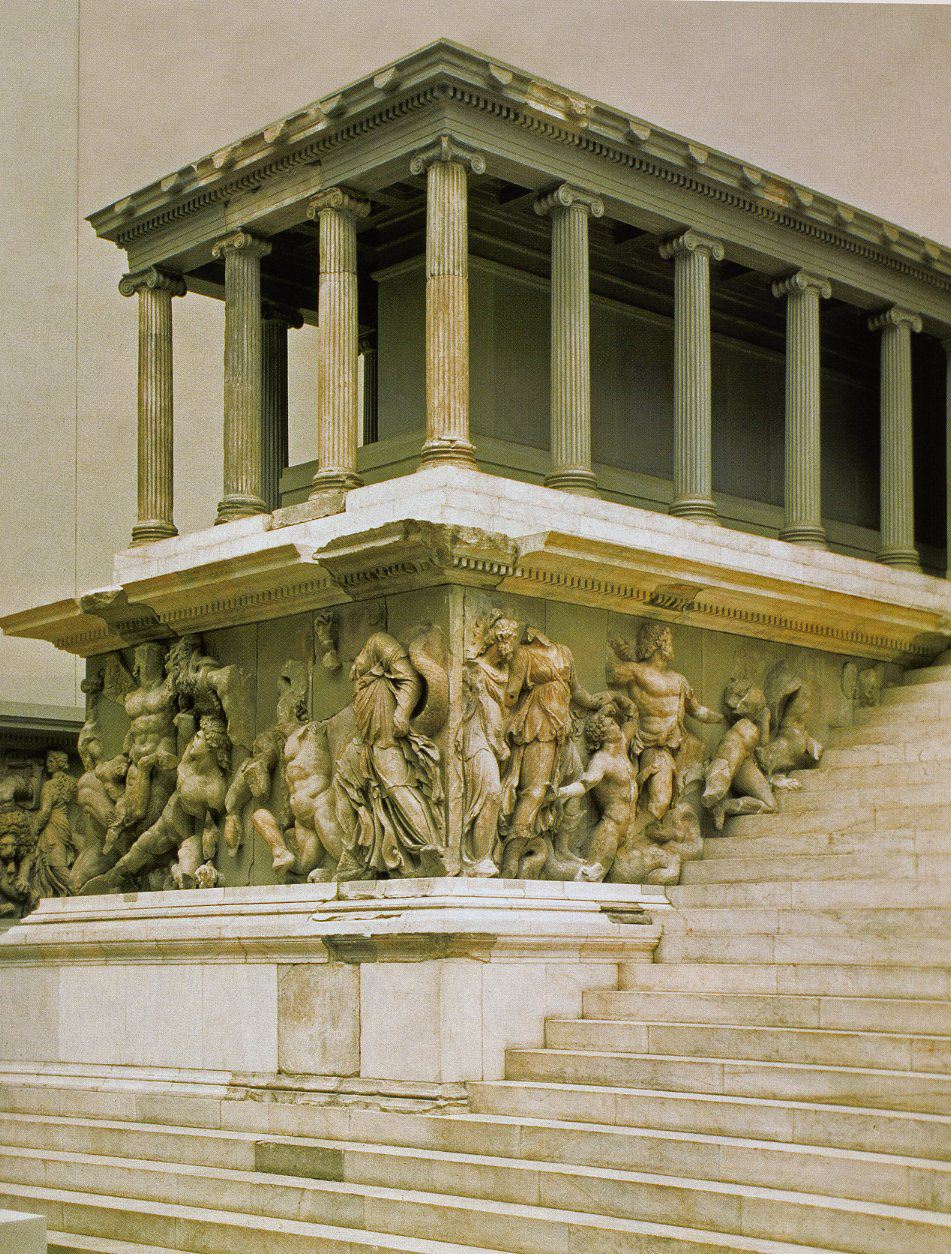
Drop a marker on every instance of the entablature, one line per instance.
(532, 133)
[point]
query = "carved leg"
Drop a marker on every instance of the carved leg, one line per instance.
(536, 777)
(657, 773)
(189, 860)
(265, 824)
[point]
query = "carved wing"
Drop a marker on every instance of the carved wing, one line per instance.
(117, 682)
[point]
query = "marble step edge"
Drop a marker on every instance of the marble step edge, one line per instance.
(874, 846)
(897, 1052)
(783, 979)
(938, 1119)
(777, 918)
(864, 892)
(803, 1009)
(876, 1214)
(776, 1067)
(761, 1031)
(626, 1144)
(665, 1238)
(815, 867)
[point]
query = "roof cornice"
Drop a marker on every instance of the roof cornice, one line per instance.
(444, 70)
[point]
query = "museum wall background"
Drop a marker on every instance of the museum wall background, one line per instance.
(97, 99)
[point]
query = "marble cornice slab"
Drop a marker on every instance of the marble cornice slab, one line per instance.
(448, 525)
(445, 74)
(377, 921)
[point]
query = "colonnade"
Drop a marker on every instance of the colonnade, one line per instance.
(255, 417)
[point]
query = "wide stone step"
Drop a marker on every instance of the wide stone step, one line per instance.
(879, 782)
(914, 749)
(712, 1203)
(898, 981)
(823, 894)
(789, 1120)
(753, 868)
(891, 1051)
(923, 923)
(865, 1014)
(926, 675)
(524, 1207)
(838, 799)
(920, 695)
(932, 701)
(895, 814)
(895, 1179)
(847, 1086)
(813, 948)
(880, 845)
(881, 724)
(129, 1222)
(528, 1229)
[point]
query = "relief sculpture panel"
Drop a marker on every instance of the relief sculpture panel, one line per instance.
(469, 746)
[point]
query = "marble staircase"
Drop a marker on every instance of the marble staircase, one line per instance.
(779, 1079)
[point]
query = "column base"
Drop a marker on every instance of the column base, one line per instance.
(696, 508)
(580, 481)
(810, 535)
(444, 450)
(901, 556)
(148, 529)
(333, 479)
(239, 505)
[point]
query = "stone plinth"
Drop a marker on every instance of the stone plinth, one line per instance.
(399, 981)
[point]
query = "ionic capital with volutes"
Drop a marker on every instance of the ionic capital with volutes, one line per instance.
(567, 196)
(802, 281)
(339, 200)
(151, 280)
(895, 317)
(447, 149)
(691, 242)
(242, 243)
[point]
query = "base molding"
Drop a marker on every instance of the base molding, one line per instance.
(347, 987)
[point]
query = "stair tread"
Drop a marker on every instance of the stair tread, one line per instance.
(364, 1237)
(464, 1201)
(797, 1029)
(785, 1103)
(733, 1062)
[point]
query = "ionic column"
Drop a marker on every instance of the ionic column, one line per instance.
(155, 411)
(242, 255)
(337, 211)
(275, 322)
(803, 500)
(371, 412)
(946, 345)
(570, 338)
(447, 300)
(897, 474)
(693, 431)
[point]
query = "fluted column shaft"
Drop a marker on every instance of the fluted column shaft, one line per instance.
(693, 427)
(275, 323)
(338, 413)
(242, 255)
(570, 338)
(946, 345)
(155, 410)
(447, 300)
(897, 473)
(371, 400)
(803, 499)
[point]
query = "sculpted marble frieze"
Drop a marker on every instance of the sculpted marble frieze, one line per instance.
(518, 771)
